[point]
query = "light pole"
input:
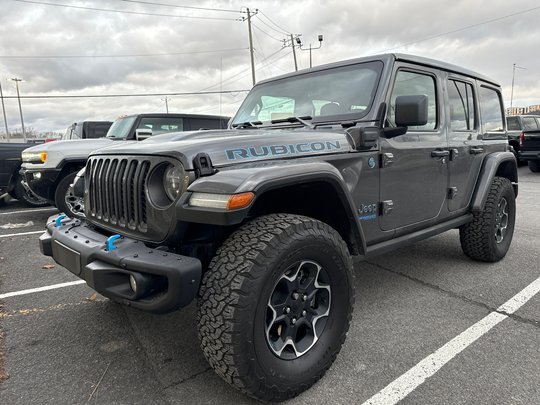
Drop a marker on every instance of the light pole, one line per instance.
(513, 77)
(4, 111)
(166, 99)
(299, 42)
(17, 80)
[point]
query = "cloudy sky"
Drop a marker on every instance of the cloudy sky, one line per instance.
(155, 48)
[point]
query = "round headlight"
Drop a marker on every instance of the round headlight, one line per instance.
(172, 181)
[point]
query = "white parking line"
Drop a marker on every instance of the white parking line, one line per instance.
(29, 210)
(21, 234)
(39, 289)
(408, 382)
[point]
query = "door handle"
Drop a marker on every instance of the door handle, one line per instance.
(440, 153)
(476, 151)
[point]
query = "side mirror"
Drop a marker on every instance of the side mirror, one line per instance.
(411, 110)
(142, 133)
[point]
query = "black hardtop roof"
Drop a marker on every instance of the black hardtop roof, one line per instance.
(390, 58)
(176, 115)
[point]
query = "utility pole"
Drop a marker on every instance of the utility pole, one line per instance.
(294, 53)
(166, 99)
(513, 77)
(251, 45)
(4, 111)
(17, 80)
(299, 42)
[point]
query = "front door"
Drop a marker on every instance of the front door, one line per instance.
(414, 166)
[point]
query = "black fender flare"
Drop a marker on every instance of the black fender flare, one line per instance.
(498, 163)
(260, 179)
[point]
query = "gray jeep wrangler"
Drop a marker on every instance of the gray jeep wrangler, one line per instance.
(261, 222)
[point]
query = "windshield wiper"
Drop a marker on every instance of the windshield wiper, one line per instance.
(247, 124)
(302, 120)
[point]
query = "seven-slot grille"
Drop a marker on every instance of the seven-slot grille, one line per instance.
(117, 191)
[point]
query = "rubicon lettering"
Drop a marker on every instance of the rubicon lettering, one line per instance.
(256, 152)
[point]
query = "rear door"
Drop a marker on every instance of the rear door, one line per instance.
(464, 140)
(414, 166)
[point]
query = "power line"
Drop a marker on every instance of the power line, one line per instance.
(269, 26)
(117, 56)
(267, 34)
(108, 10)
(180, 6)
(286, 32)
(194, 93)
(463, 28)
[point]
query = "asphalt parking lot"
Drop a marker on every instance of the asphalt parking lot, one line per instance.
(67, 345)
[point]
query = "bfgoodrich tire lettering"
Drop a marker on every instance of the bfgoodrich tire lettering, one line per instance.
(488, 237)
(234, 298)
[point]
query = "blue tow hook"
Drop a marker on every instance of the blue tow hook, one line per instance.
(58, 221)
(110, 242)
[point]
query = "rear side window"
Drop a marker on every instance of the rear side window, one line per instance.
(529, 123)
(97, 130)
(208, 123)
(162, 125)
(461, 100)
(513, 124)
(490, 106)
(413, 84)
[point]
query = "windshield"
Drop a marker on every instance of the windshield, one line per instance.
(121, 127)
(335, 94)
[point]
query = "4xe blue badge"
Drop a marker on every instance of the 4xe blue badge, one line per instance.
(371, 162)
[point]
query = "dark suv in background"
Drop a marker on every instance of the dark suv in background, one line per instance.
(519, 128)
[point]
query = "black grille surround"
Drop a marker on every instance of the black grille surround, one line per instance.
(117, 197)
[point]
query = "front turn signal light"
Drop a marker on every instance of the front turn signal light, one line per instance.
(242, 200)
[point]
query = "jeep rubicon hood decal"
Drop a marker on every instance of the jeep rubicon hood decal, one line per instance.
(234, 146)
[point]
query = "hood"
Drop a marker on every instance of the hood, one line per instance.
(60, 151)
(79, 147)
(226, 147)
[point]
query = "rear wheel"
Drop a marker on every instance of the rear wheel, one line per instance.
(275, 305)
(487, 238)
(534, 166)
(27, 197)
(65, 200)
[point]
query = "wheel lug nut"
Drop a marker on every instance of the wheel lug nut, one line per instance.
(304, 312)
(304, 297)
(295, 295)
(287, 310)
(293, 321)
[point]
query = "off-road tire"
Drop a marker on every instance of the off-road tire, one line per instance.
(234, 296)
(27, 198)
(534, 166)
(477, 238)
(60, 195)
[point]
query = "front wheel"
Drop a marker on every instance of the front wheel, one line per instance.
(487, 238)
(275, 305)
(27, 197)
(65, 200)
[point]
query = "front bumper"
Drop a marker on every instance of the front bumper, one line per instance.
(42, 182)
(165, 281)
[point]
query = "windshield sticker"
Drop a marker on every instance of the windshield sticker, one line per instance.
(281, 150)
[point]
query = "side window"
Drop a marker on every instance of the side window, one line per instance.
(512, 124)
(413, 84)
(529, 123)
(461, 100)
(490, 106)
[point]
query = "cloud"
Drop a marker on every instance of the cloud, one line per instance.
(350, 28)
